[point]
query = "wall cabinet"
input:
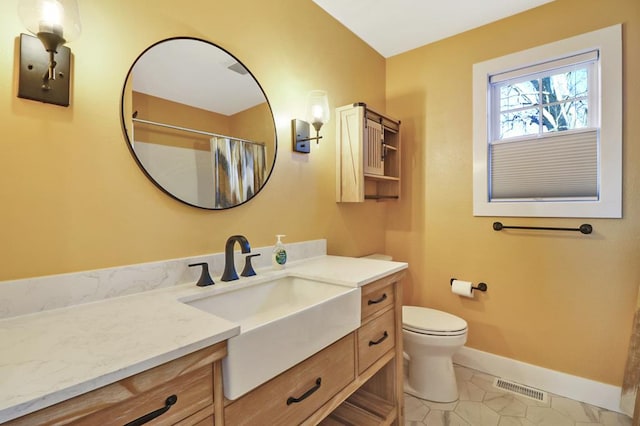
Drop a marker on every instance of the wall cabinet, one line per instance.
(367, 154)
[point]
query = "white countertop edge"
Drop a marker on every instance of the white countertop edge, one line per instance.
(28, 407)
(361, 271)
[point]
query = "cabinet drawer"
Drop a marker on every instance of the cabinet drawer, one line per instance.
(189, 378)
(313, 382)
(201, 418)
(375, 338)
(375, 299)
(194, 392)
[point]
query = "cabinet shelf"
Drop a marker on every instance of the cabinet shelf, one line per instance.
(383, 178)
(381, 197)
(363, 408)
(374, 404)
(349, 414)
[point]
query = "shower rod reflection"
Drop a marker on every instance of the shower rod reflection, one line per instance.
(584, 228)
(186, 129)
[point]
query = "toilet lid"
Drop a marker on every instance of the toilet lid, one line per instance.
(431, 321)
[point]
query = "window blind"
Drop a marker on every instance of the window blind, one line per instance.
(562, 165)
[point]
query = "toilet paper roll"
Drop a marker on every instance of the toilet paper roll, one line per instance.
(462, 288)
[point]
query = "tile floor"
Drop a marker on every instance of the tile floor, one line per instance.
(481, 404)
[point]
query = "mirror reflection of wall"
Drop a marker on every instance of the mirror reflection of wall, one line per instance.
(198, 123)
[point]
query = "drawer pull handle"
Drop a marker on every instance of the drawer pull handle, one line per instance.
(292, 400)
(380, 340)
(157, 413)
(378, 300)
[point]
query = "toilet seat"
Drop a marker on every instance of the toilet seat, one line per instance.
(432, 322)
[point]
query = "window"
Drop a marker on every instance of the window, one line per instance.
(547, 130)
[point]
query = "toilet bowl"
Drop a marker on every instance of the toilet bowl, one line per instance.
(430, 339)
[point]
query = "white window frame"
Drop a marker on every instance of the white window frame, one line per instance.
(608, 42)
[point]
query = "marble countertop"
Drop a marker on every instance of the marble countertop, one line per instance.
(51, 356)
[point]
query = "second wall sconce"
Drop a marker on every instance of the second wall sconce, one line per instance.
(45, 72)
(317, 113)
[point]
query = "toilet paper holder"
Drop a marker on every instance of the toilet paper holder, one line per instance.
(480, 287)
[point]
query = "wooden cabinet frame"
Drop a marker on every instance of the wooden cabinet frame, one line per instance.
(367, 155)
(371, 392)
(376, 395)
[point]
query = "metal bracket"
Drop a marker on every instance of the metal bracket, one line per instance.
(34, 66)
(300, 136)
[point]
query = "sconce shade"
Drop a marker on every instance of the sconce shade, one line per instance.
(55, 22)
(318, 108)
(44, 76)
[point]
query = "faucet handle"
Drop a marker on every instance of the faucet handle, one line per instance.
(205, 278)
(248, 268)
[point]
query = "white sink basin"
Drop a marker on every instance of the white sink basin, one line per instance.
(282, 322)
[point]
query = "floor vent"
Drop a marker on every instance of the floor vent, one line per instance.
(516, 388)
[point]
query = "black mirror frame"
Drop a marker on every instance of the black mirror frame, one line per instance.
(130, 145)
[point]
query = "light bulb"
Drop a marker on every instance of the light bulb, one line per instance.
(51, 17)
(58, 17)
(318, 108)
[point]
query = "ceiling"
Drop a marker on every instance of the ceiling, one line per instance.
(190, 72)
(396, 26)
(198, 74)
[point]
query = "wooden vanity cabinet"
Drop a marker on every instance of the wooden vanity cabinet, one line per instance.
(360, 374)
(354, 381)
(194, 380)
(367, 155)
(378, 397)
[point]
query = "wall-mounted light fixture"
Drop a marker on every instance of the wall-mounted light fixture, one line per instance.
(317, 114)
(44, 73)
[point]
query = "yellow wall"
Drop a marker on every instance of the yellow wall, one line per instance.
(253, 124)
(560, 301)
(74, 199)
(174, 113)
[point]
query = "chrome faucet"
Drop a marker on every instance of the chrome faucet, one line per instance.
(230, 273)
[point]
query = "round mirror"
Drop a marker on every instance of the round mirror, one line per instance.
(198, 123)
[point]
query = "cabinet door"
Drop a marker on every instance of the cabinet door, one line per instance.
(373, 145)
(350, 133)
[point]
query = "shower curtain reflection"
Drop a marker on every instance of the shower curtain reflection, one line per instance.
(239, 169)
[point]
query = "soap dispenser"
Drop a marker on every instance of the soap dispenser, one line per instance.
(279, 256)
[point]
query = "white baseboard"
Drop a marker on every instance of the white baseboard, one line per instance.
(574, 387)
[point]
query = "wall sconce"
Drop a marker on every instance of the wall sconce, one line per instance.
(317, 114)
(44, 73)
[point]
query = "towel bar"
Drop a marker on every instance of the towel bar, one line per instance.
(584, 228)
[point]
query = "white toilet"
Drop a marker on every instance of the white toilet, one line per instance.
(430, 339)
